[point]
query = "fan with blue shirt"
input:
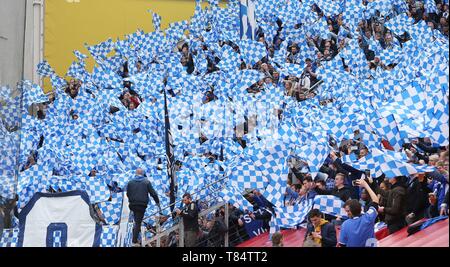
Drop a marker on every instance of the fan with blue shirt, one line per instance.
(358, 231)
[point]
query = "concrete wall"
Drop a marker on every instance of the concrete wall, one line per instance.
(21, 40)
(12, 27)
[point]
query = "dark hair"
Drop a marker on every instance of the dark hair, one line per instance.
(314, 213)
(307, 179)
(322, 182)
(187, 195)
(354, 206)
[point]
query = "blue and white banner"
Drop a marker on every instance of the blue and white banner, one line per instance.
(58, 220)
(247, 20)
(253, 227)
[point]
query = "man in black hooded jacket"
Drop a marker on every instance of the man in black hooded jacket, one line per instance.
(137, 192)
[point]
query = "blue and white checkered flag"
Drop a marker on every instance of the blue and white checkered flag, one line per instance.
(272, 161)
(338, 124)
(367, 162)
(400, 6)
(112, 210)
(58, 83)
(409, 103)
(76, 71)
(424, 168)
(399, 24)
(108, 238)
(353, 12)
(385, 8)
(229, 61)
(388, 128)
(96, 188)
(156, 19)
(391, 166)
(430, 7)
(252, 51)
(329, 7)
(44, 69)
(391, 56)
(291, 216)
(314, 154)
(232, 195)
(33, 93)
(247, 176)
(5, 93)
(31, 181)
(80, 56)
(330, 205)
(106, 79)
(9, 238)
(99, 51)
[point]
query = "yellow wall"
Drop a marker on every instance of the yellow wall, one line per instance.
(69, 25)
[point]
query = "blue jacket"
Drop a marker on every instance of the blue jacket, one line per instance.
(438, 186)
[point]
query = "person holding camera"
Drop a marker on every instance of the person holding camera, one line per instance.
(358, 231)
(190, 220)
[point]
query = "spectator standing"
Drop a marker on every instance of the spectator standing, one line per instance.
(190, 220)
(394, 211)
(358, 231)
(341, 190)
(137, 192)
(216, 234)
(416, 198)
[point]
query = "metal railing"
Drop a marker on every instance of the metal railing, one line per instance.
(179, 227)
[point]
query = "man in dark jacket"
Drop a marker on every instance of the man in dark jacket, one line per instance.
(190, 220)
(217, 230)
(416, 198)
(320, 230)
(137, 192)
(341, 190)
(395, 205)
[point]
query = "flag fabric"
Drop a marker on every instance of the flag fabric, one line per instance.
(406, 101)
(330, 205)
(388, 128)
(44, 69)
(246, 175)
(233, 196)
(430, 7)
(291, 216)
(156, 21)
(108, 238)
(248, 24)
(80, 56)
(106, 79)
(99, 51)
(314, 155)
(9, 238)
(33, 93)
(112, 210)
(391, 166)
(252, 51)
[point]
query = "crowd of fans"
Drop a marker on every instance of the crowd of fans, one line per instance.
(402, 200)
